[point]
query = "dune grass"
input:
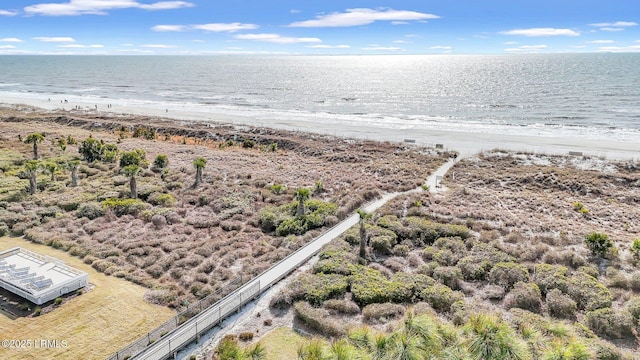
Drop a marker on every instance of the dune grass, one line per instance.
(282, 343)
(93, 325)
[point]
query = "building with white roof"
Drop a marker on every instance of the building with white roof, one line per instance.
(36, 277)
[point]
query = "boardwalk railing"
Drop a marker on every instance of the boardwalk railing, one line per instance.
(194, 309)
(154, 347)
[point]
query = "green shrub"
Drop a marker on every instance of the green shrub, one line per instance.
(561, 305)
(587, 292)
(317, 319)
(549, 277)
(474, 268)
(524, 296)
(124, 206)
(382, 244)
(321, 287)
(603, 350)
(58, 301)
(37, 311)
(448, 275)
(506, 274)
(401, 250)
(440, 297)
(335, 258)
(91, 210)
(369, 286)
(277, 188)
(421, 231)
(404, 288)
(483, 256)
(635, 249)
(382, 312)
(167, 200)
(4, 229)
(161, 161)
(616, 278)
(247, 143)
(284, 221)
(590, 270)
(633, 307)
(598, 243)
(610, 324)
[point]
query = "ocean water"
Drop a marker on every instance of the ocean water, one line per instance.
(596, 96)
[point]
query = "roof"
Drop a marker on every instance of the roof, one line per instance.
(35, 273)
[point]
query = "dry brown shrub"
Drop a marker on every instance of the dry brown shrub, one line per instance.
(384, 313)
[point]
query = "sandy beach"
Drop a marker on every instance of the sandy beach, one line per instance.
(457, 139)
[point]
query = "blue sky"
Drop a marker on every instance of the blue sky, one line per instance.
(318, 27)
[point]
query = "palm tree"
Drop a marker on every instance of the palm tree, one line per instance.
(131, 171)
(50, 167)
(364, 217)
(35, 139)
(73, 165)
(31, 169)
(199, 164)
(302, 195)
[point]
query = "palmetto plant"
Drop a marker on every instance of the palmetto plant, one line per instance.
(364, 218)
(35, 139)
(199, 164)
(302, 195)
(73, 166)
(31, 169)
(131, 171)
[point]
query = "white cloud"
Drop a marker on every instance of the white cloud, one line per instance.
(7, 47)
(8, 13)
(165, 5)
(220, 27)
(383, 48)
(536, 32)
(616, 24)
(510, 43)
(213, 27)
(601, 42)
(15, 40)
(527, 48)
(399, 23)
(55, 39)
(158, 46)
(612, 29)
(441, 47)
(275, 38)
(166, 28)
(412, 36)
(362, 16)
(620, 49)
(79, 46)
(329, 46)
(578, 47)
(295, 11)
(401, 42)
(98, 7)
